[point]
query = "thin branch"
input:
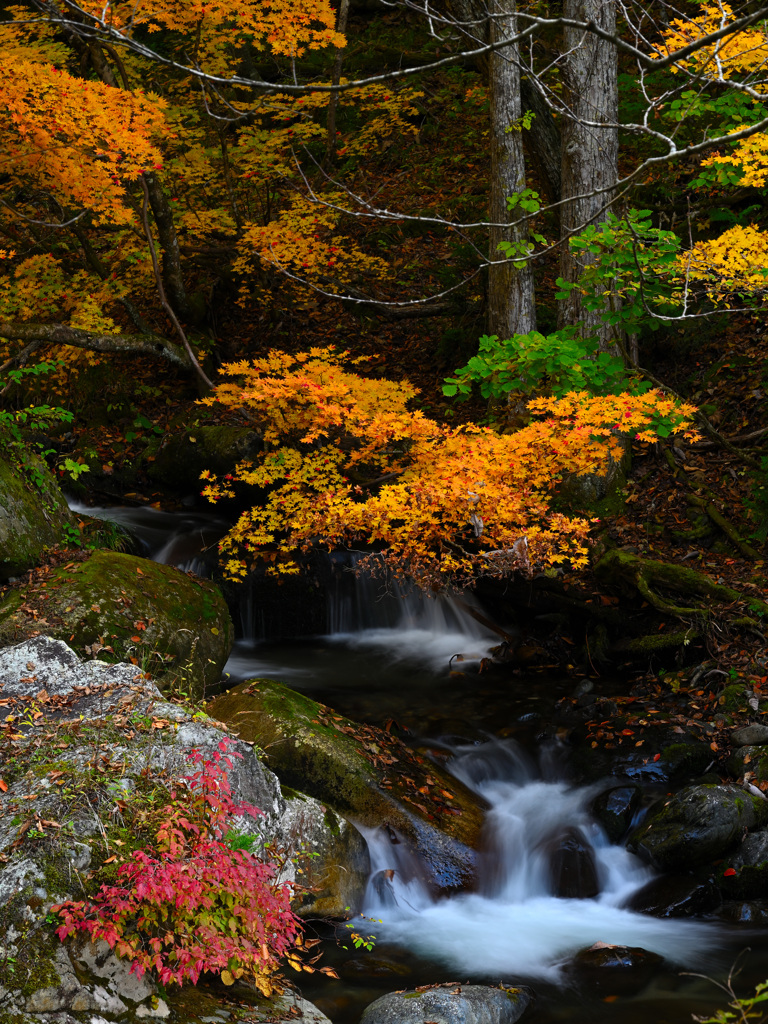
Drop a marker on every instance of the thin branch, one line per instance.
(161, 292)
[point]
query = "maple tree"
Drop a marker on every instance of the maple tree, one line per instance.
(191, 137)
(346, 462)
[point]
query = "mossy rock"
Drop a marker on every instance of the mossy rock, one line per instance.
(362, 773)
(180, 459)
(697, 825)
(33, 513)
(734, 698)
(752, 759)
(119, 605)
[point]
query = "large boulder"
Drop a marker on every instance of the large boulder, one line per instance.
(364, 774)
(181, 458)
(86, 740)
(33, 513)
(329, 860)
(697, 825)
(450, 1004)
(126, 606)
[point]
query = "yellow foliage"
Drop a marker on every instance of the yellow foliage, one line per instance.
(735, 261)
(76, 139)
(736, 54)
(299, 240)
(750, 156)
(287, 27)
(346, 462)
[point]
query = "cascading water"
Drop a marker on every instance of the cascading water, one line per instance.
(518, 923)
(549, 881)
(171, 538)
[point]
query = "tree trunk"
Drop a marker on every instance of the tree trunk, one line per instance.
(511, 307)
(333, 100)
(173, 277)
(590, 142)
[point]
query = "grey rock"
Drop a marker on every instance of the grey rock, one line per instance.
(158, 1010)
(750, 735)
(450, 1004)
(697, 825)
(68, 994)
(328, 857)
(99, 960)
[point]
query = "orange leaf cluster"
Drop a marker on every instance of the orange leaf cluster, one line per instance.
(347, 462)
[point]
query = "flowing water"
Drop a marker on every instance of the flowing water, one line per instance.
(413, 659)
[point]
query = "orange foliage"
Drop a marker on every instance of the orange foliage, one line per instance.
(78, 140)
(347, 463)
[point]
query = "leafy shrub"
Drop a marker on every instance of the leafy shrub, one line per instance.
(192, 903)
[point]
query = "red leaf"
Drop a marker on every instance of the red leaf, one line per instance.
(728, 872)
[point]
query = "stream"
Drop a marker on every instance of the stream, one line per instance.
(414, 661)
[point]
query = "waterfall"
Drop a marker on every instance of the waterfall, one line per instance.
(401, 623)
(517, 923)
(180, 539)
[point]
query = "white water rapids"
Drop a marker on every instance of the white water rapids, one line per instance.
(513, 926)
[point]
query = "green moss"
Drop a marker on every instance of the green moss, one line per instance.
(176, 627)
(733, 698)
(33, 512)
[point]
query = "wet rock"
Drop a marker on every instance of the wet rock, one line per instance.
(676, 896)
(572, 871)
(748, 912)
(328, 856)
(615, 809)
(363, 774)
(133, 606)
(750, 735)
(450, 1004)
(33, 513)
(615, 970)
(697, 825)
(751, 762)
(750, 864)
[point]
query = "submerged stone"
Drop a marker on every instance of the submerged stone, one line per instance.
(615, 809)
(615, 970)
(572, 870)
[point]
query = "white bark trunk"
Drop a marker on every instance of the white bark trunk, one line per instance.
(589, 150)
(511, 307)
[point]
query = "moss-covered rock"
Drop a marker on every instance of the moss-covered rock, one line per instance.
(122, 605)
(103, 732)
(331, 859)
(697, 825)
(33, 513)
(750, 760)
(362, 773)
(181, 458)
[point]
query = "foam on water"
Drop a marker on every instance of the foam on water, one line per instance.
(513, 926)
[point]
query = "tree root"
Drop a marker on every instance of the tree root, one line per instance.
(649, 577)
(709, 507)
(728, 528)
(652, 643)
